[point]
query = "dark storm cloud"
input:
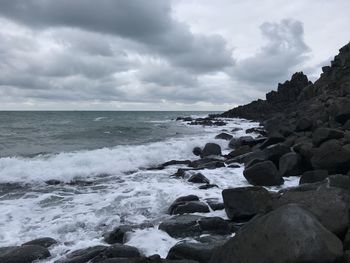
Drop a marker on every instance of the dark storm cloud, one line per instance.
(147, 22)
(284, 51)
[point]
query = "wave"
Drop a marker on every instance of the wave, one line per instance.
(66, 167)
(100, 118)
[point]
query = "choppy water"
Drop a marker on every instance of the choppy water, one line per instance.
(105, 153)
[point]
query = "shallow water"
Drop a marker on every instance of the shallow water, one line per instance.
(112, 188)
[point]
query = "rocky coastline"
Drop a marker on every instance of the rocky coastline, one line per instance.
(305, 132)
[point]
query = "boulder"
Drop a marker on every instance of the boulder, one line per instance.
(181, 226)
(290, 164)
(214, 225)
(44, 242)
(313, 176)
(197, 151)
(243, 203)
(303, 124)
(182, 200)
(244, 140)
(328, 204)
(332, 156)
(82, 255)
(117, 251)
(198, 178)
(346, 241)
(208, 186)
(263, 174)
(189, 207)
(207, 163)
(288, 234)
(276, 138)
(211, 149)
(224, 136)
(23, 254)
(275, 152)
(215, 204)
(239, 151)
(321, 135)
(118, 234)
(200, 252)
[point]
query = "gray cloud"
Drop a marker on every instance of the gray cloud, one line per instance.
(149, 23)
(282, 55)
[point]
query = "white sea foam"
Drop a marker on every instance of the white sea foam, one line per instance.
(100, 118)
(77, 216)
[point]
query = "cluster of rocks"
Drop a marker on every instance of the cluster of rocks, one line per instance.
(304, 132)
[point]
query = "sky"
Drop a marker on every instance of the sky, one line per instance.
(161, 54)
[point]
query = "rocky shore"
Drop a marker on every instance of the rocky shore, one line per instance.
(304, 132)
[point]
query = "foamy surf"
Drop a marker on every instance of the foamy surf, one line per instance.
(121, 192)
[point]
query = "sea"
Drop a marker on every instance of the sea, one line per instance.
(98, 161)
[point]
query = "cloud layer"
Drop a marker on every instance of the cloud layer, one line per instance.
(133, 54)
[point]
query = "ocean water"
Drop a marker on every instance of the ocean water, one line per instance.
(100, 158)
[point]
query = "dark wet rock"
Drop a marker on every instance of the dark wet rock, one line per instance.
(200, 252)
(313, 176)
(321, 135)
(329, 205)
(176, 162)
(208, 163)
(118, 234)
(243, 203)
(236, 129)
(215, 204)
(343, 112)
(332, 156)
(189, 207)
(224, 136)
(254, 161)
(23, 254)
(244, 140)
(184, 119)
(181, 226)
(259, 130)
(198, 178)
(214, 225)
(82, 255)
(290, 164)
(197, 151)
(53, 182)
(187, 204)
(44, 242)
(275, 152)
(207, 186)
(272, 140)
(339, 181)
(303, 124)
(239, 151)
(234, 165)
(346, 241)
(282, 236)
(346, 126)
(211, 149)
(263, 174)
(117, 251)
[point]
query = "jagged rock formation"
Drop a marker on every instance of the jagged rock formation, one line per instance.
(325, 103)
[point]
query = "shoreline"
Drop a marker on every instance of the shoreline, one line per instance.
(305, 132)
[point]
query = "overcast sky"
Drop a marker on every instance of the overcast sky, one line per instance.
(159, 54)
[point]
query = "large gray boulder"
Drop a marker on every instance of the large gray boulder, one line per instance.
(290, 164)
(290, 234)
(23, 254)
(243, 203)
(329, 205)
(324, 134)
(211, 149)
(263, 174)
(332, 156)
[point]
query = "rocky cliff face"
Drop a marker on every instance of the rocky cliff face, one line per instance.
(325, 103)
